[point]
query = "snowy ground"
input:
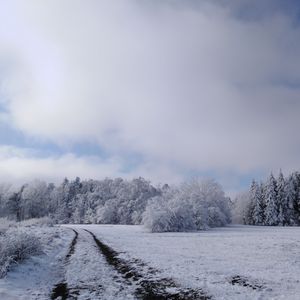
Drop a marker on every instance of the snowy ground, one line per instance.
(88, 276)
(35, 277)
(237, 262)
(126, 262)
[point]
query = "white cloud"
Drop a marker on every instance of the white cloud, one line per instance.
(23, 164)
(19, 164)
(193, 87)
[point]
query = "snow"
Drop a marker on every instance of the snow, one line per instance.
(234, 262)
(266, 258)
(88, 275)
(35, 277)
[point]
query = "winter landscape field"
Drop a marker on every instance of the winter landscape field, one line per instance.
(235, 262)
(149, 150)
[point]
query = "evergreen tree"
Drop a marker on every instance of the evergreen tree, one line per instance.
(258, 211)
(252, 202)
(297, 202)
(262, 187)
(282, 200)
(291, 196)
(271, 212)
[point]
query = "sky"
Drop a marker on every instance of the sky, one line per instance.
(167, 90)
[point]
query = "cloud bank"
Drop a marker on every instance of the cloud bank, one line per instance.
(195, 87)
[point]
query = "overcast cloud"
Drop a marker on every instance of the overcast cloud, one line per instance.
(189, 87)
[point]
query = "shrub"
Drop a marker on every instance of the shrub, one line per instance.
(168, 213)
(17, 245)
(5, 224)
(196, 205)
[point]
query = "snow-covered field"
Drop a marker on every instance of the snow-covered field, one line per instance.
(125, 262)
(220, 261)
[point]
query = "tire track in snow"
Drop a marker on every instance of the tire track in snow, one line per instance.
(87, 274)
(72, 246)
(147, 288)
(61, 290)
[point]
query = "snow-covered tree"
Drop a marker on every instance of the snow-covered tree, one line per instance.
(282, 200)
(271, 212)
(210, 206)
(257, 199)
(278, 201)
(249, 218)
(78, 215)
(35, 198)
(169, 212)
(296, 176)
(291, 198)
(240, 207)
(60, 198)
(6, 191)
(195, 205)
(14, 204)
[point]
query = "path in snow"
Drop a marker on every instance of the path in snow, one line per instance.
(147, 286)
(235, 262)
(61, 289)
(87, 275)
(93, 270)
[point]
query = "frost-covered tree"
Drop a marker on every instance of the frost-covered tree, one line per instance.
(210, 206)
(14, 204)
(291, 198)
(195, 205)
(157, 216)
(60, 198)
(35, 198)
(271, 212)
(296, 176)
(278, 201)
(78, 216)
(5, 193)
(108, 214)
(121, 201)
(240, 207)
(251, 204)
(169, 212)
(282, 200)
(256, 195)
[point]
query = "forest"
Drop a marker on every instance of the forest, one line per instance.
(192, 205)
(274, 202)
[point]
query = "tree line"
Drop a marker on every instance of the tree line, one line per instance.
(193, 205)
(115, 201)
(273, 202)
